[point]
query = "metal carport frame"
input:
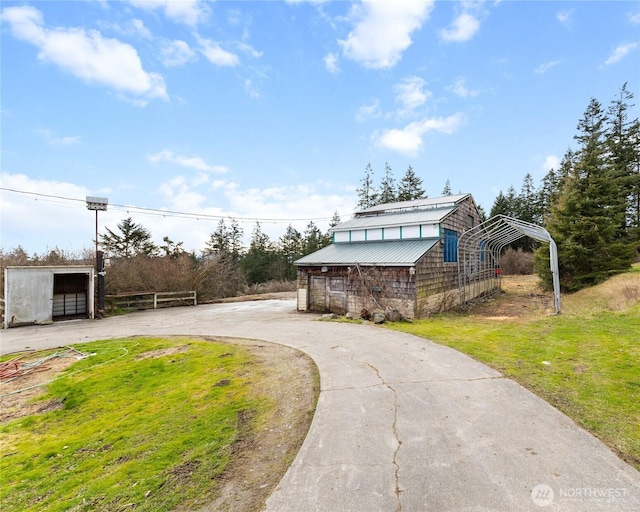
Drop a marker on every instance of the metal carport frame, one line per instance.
(479, 251)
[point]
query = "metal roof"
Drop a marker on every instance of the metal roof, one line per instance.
(429, 202)
(414, 217)
(396, 253)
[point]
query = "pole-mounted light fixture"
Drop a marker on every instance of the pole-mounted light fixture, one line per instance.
(98, 204)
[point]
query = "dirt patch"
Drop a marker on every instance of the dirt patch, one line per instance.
(154, 354)
(17, 395)
(521, 297)
(290, 379)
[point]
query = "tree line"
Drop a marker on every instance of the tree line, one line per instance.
(389, 190)
(590, 204)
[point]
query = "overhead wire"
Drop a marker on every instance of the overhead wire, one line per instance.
(165, 213)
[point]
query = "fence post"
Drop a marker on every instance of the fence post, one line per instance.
(155, 301)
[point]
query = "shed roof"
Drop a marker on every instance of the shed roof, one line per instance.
(406, 218)
(399, 253)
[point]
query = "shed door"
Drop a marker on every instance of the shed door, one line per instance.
(328, 294)
(69, 295)
(318, 294)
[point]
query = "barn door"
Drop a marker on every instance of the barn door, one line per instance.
(318, 294)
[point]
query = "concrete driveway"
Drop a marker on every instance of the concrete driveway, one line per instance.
(402, 424)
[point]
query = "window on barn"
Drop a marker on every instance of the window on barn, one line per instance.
(450, 246)
(470, 221)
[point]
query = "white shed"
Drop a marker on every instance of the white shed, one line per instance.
(40, 295)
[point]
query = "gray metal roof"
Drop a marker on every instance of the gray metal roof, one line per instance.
(397, 253)
(429, 202)
(414, 217)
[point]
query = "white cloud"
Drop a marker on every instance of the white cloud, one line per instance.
(565, 17)
(463, 28)
(366, 112)
(383, 30)
(459, 88)
(635, 18)
(189, 12)
(40, 224)
(411, 94)
(620, 53)
(408, 140)
(192, 162)
(216, 55)
(550, 162)
(247, 48)
(177, 53)
(55, 140)
(251, 89)
(331, 63)
(545, 66)
(86, 54)
(140, 29)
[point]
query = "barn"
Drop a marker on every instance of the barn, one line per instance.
(40, 295)
(399, 256)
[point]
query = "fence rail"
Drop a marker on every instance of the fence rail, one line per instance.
(150, 300)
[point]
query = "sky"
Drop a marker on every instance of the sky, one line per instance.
(185, 112)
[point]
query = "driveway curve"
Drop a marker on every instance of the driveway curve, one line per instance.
(402, 424)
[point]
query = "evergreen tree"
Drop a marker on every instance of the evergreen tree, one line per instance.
(259, 258)
(410, 186)
(499, 206)
(388, 193)
(367, 194)
(623, 141)
(314, 239)
(335, 220)
(446, 191)
(226, 241)
(585, 220)
(171, 249)
(291, 249)
(132, 240)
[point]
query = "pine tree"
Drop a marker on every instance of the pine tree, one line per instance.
(410, 186)
(291, 249)
(623, 141)
(446, 191)
(226, 242)
(388, 193)
(257, 262)
(367, 194)
(133, 240)
(586, 218)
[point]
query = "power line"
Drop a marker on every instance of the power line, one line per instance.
(164, 213)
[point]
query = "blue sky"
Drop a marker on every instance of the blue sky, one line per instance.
(271, 110)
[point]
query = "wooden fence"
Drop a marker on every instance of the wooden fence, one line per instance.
(150, 300)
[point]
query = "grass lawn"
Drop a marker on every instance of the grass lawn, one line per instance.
(145, 423)
(585, 362)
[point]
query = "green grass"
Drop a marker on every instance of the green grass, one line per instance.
(146, 432)
(586, 363)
